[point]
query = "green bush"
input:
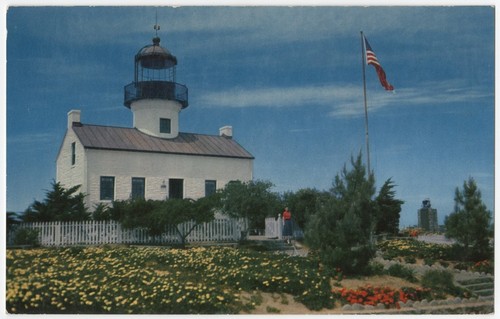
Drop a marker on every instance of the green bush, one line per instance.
(429, 261)
(376, 268)
(400, 271)
(26, 236)
(441, 283)
(410, 260)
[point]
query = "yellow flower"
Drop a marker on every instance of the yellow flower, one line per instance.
(221, 298)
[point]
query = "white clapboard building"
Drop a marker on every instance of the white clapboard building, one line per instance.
(151, 160)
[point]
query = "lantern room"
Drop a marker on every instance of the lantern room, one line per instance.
(154, 76)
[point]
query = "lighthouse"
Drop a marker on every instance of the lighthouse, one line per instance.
(151, 160)
(154, 97)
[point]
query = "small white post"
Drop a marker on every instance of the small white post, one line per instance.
(280, 227)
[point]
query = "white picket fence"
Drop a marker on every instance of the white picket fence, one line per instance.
(274, 228)
(111, 232)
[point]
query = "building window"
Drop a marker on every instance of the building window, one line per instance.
(176, 188)
(165, 126)
(210, 187)
(138, 187)
(73, 153)
(107, 188)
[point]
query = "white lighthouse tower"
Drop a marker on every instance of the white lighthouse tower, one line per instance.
(154, 97)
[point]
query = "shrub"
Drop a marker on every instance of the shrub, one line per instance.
(410, 259)
(429, 261)
(400, 271)
(376, 268)
(463, 265)
(441, 283)
(26, 236)
(483, 266)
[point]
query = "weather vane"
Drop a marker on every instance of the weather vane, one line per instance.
(156, 26)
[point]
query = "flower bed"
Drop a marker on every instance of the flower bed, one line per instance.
(411, 247)
(372, 296)
(155, 280)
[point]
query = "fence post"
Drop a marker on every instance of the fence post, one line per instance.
(280, 227)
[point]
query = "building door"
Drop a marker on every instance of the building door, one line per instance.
(175, 188)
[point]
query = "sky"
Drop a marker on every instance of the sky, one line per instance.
(288, 79)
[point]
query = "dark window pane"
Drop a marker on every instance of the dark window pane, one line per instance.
(164, 125)
(138, 187)
(107, 188)
(176, 188)
(210, 187)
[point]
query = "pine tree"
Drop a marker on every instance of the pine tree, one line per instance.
(469, 224)
(341, 231)
(388, 209)
(60, 204)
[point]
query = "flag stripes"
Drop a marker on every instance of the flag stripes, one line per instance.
(371, 59)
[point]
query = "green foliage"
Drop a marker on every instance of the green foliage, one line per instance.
(60, 204)
(156, 216)
(341, 231)
(101, 212)
(388, 209)
(304, 204)
(410, 259)
(429, 261)
(376, 268)
(469, 224)
(26, 236)
(252, 200)
(400, 271)
(441, 283)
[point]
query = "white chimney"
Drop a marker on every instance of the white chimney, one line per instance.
(73, 117)
(226, 131)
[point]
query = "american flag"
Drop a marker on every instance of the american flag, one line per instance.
(371, 59)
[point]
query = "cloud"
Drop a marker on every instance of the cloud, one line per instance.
(94, 25)
(344, 100)
(294, 96)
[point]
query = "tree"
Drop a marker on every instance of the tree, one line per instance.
(157, 216)
(341, 231)
(304, 204)
(388, 209)
(252, 200)
(60, 204)
(469, 224)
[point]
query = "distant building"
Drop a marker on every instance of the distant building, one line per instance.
(152, 160)
(427, 217)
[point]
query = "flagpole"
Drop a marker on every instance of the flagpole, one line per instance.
(363, 54)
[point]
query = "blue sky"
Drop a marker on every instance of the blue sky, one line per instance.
(289, 81)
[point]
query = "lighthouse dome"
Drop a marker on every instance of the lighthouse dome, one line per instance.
(154, 56)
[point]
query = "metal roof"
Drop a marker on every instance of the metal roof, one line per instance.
(131, 139)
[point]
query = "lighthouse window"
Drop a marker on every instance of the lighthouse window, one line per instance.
(164, 125)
